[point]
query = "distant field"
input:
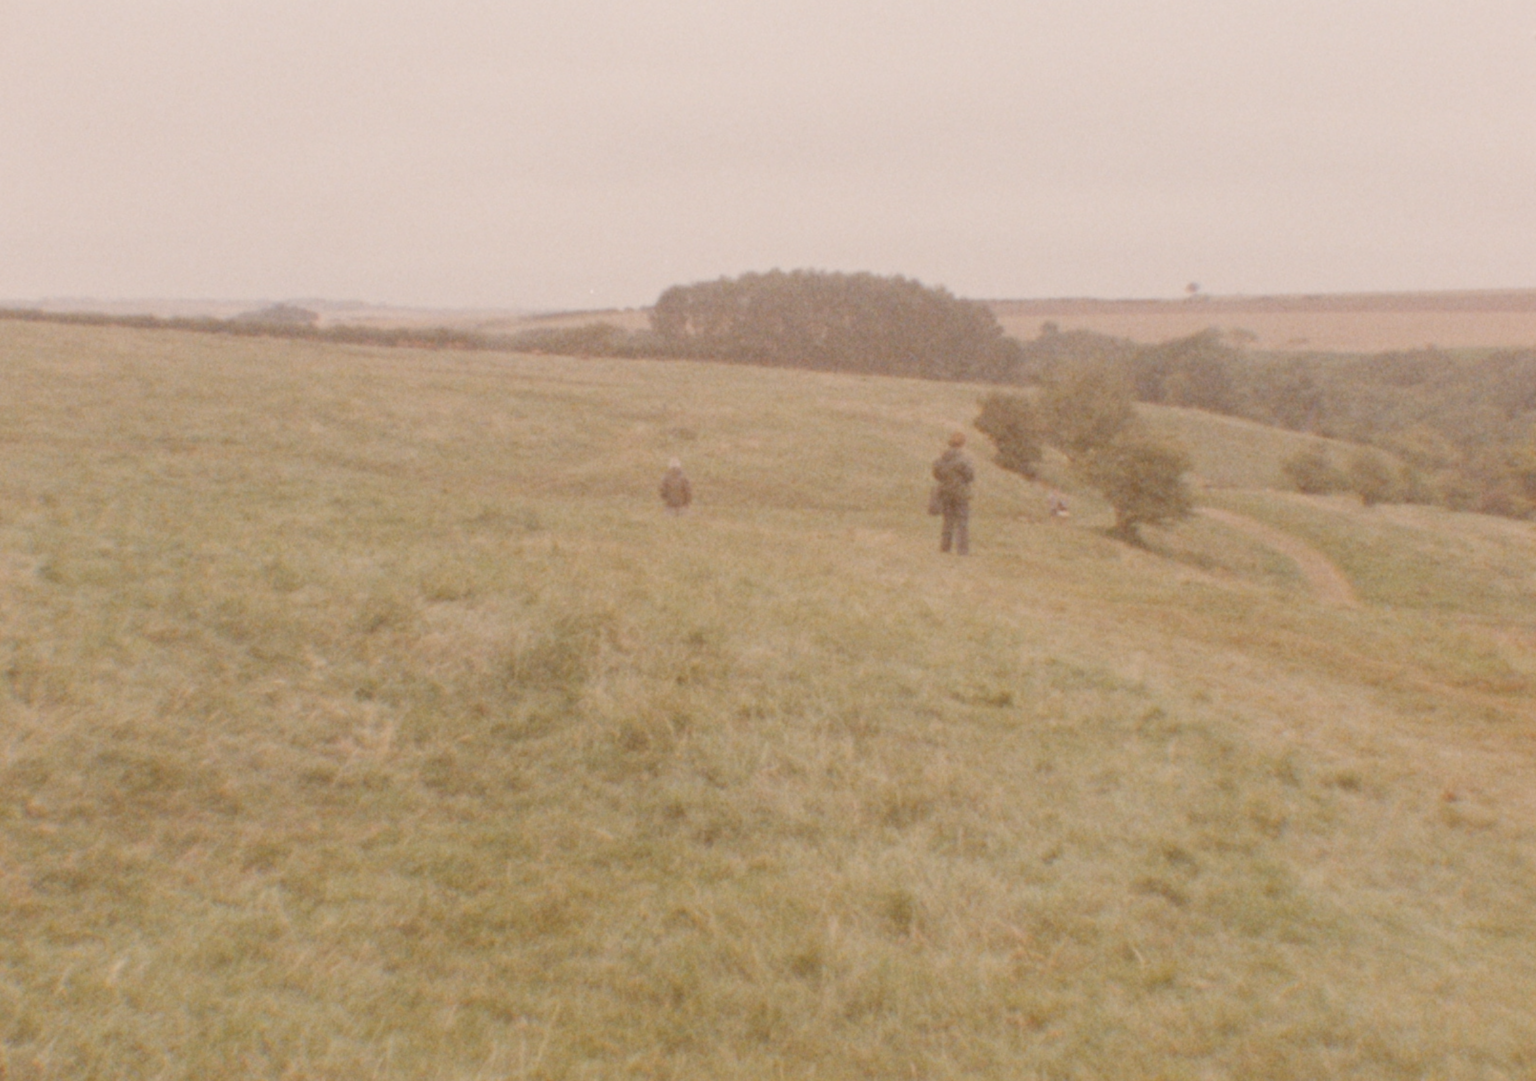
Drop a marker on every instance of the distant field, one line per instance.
(362, 716)
(1327, 323)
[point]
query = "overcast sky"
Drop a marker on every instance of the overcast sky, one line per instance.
(588, 153)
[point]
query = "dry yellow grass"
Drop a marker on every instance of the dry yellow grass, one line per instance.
(361, 716)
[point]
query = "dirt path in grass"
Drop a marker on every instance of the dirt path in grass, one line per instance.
(1322, 574)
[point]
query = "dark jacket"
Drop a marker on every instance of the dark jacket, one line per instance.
(675, 489)
(954, 473)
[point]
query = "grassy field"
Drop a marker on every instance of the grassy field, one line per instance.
(1339, 322)
(1229, 452)
(361, 716)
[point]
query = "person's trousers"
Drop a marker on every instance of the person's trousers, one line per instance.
(957, 529)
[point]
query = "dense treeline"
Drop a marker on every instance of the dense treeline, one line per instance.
(842, 322)
(1086, 413)
(1457, 427)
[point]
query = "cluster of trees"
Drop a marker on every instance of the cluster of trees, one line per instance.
(1367, 473)
(1453, 429)
(1087, 414)
(862, 323)
(1500, 479)
(843, 322)
(1460, 429)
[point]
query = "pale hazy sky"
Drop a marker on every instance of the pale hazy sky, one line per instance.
(589, 153)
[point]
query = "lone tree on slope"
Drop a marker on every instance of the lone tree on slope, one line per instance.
(1143, 479)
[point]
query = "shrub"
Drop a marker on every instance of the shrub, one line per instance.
(1143, 479)
(1009, 420)
(1084, 409)
(1313, 472)
(1370, 477)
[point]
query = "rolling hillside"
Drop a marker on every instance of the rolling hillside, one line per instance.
(362, 716)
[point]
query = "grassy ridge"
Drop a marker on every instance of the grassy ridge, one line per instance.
(362, 716)
(1230, 452)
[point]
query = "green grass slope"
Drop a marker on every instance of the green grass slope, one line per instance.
(1428, 559)
(362, 716)
(1230, 452)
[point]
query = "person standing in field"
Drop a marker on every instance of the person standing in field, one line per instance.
(954, 473)
(676, 492)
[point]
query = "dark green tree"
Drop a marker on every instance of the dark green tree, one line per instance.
(1009, 420)
(1143, 480)
(1195, 371)
(1370, 477)
(843, 322)
(1055, 351)
(1313, 472)
(1085, 408)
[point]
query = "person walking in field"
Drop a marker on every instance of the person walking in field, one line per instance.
(954, 473)
(676, 492)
